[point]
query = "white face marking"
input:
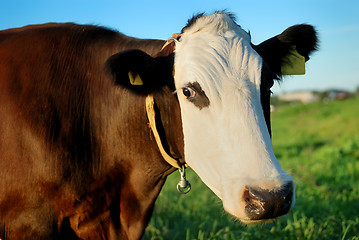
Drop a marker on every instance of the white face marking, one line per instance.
(226, 143)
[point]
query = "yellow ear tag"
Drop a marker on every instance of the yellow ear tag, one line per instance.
(135, 79)
(293, 63)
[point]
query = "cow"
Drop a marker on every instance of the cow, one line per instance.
(78, 156)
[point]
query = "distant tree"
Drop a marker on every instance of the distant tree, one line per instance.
(324, 95)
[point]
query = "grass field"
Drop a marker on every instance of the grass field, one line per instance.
(318, 144)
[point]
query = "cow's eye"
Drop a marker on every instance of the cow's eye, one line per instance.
(189, 92)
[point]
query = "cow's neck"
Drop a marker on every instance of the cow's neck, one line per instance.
(118, 200)
(124, 195)
(168, 121)
(140, 193)
(169, 116)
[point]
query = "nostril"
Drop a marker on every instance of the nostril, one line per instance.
(254, 203)
(258, 194)
(265, 204)
(285, 198)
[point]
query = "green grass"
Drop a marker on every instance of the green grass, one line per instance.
(318, 144)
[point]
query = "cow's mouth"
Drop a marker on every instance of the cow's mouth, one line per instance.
(253, 222)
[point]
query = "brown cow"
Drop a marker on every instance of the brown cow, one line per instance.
(78, 159)
(70, 139)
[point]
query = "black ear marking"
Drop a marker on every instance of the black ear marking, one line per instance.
(127, 64)
(275, 51)
(302, 36)
(139, 72)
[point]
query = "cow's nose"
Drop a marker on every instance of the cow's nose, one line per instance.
(265, 204)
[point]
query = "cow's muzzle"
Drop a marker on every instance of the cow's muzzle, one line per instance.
(263, 204)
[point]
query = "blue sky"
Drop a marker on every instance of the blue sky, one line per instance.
(335, 65)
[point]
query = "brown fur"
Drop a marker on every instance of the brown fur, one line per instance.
(77, 158)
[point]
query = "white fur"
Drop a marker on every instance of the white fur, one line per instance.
(227, 143)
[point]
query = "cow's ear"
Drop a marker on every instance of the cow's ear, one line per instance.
(139, 72)
(287, 53)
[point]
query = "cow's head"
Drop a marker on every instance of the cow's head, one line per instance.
(223, 86)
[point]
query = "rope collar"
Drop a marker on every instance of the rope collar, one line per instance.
(152, 120)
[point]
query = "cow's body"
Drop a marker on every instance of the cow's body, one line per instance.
(71, 142)
(78, 159)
